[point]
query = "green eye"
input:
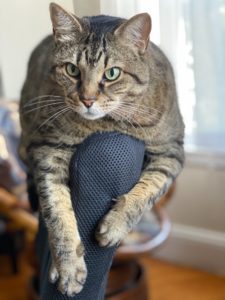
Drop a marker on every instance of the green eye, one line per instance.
(112, 74)
(72, 70)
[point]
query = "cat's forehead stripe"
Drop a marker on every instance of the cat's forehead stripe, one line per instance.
(79, 54)
(92, 50)
(99, 56)
(104, 44)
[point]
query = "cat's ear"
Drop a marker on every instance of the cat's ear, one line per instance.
(65, 25)
(136, 31)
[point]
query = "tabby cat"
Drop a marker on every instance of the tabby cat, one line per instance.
(96, 74)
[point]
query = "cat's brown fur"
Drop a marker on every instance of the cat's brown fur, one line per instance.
(142, 103)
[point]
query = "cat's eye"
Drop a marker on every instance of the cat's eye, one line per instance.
(112, 73)
(72, 70)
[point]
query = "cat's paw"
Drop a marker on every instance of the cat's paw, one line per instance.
(112, 229)
(70, 272)
(72, 276)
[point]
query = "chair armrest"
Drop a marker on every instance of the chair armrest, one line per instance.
(19, 218)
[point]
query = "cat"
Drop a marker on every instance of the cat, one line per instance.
(96, 74)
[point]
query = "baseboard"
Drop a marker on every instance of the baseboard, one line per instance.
(196, 247)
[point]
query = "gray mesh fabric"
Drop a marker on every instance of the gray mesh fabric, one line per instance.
(105, 166)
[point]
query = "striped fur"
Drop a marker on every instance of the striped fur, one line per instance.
(142, 103)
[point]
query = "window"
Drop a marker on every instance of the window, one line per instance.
(193, 34)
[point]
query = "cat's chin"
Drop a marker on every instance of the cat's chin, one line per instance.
(91, 116)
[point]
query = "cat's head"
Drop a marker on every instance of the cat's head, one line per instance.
(100, 62)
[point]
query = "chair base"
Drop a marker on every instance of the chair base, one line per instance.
(127, 281)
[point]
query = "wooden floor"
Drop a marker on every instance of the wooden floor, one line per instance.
(166, 281)
(13, 287)
(171, 282)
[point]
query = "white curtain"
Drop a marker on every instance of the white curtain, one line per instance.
(193, 35)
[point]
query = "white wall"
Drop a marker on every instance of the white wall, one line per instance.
(197, 211)
(199, 199)
(120, 8)
(23, 24)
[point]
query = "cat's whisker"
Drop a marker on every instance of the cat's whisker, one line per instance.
(142, 129)
(140, 105)
(146, 116)
(43, 106)
(140, 108)
(60, 114)
(60, 117)
(162, 120)
(134, 106)
(122, 118)
(135, 128)
(60, 110)
(120, 113)
(42, 102)
(31, 111)
(33, 100)
(44, 96)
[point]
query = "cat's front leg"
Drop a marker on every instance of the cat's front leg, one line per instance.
(129, 208)
(51, 171)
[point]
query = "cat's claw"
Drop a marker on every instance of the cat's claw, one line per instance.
(112, 229)
(53, 274)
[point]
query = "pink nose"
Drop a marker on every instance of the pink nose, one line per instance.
(88, 103)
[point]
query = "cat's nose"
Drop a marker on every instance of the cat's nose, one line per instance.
(88, 99)
(88, 102)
